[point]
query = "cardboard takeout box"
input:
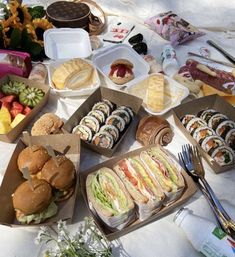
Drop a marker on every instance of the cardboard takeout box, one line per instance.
(193, 107)
(15, 132)
(69, 145)
(117, 97)
(189, 190)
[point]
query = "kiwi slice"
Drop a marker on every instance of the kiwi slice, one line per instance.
(13, 87)
(31, 96)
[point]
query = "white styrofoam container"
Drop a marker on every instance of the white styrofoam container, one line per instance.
(103, 60)
(66, 43)
(174, 93)
(63, 44)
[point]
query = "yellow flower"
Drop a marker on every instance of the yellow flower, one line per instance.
(40, 26)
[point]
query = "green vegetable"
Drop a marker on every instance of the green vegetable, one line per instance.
(16, 37)
(50, 211)
(37, 12)
(13, 88)
(31, 96)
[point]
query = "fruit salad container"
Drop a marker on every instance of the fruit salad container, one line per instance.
(20, 101)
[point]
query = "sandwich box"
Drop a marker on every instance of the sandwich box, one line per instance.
(15, 132)
(111, 234)
(118, 98)
(68, 145)
(215, 102)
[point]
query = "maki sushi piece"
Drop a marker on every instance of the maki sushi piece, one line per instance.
(230, 139)
(207, 114)
(99, 115)
(202, 132)
(224, 127)
(195, 123)
(123, 114)
(84, 132)
(103, 107)
(103, 139)
(216, 119)
(90, 122)
(128, 109)
(212, 142)
(111, 130)
(223, 155)
(116, 121)
(186, 118)
(110, 104)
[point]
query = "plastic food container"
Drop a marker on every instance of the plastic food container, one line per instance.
(62, 45)
(174, 93)
(103, 60)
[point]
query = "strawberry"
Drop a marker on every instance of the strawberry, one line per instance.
(26, 110)
(7, 99)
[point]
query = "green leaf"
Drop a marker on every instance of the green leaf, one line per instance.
(15, 38)
(34, 49)
(26, 39)
(37, 12)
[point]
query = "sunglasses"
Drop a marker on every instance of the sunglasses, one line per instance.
(138, 45)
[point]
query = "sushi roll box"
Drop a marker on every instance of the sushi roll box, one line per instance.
(193, 108)
(118, 98)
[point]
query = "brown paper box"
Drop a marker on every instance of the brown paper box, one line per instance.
(189, 190)
(117, 97)
(193, 107)
(64, 144)
(15, 132)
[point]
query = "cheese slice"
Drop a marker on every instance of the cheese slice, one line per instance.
(155, 93)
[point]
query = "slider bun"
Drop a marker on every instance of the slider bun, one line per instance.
(47, 124)
(30, 201)
(34, 157)
(61, 177)
(120, 80)
(98, 207)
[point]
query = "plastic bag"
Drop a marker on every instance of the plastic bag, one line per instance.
(173, 28)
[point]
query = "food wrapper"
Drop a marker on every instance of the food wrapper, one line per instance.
(173, 28)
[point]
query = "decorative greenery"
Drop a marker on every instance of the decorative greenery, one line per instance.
(87, 242)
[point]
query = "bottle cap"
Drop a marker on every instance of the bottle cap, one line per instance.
(180, 215)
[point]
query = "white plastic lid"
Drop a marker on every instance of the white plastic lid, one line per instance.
(66, 43)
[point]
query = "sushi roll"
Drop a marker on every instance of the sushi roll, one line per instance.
(111, 130)
(128, 109)
(195, 123)
(102, 106)
(116, 121)
(207, 114)
(230, 139)
(216, 119)
(224, 127)
(99, 115)
(90, 122)
(212, 142)
(186, 118)
(110, 104)
(84, 132)
(202, 132)
(103, 139)
(123, 114)
(223, 155)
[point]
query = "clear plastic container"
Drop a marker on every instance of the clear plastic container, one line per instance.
(205, 237)
(169, 63)
(103, 60)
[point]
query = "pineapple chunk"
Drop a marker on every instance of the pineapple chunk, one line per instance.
(4, 127)
(18, 118)
(5, 115)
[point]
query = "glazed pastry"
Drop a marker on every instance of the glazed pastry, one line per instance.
(154, 130)
(121, 71)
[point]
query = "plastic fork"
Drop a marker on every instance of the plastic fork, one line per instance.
(190, 159)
